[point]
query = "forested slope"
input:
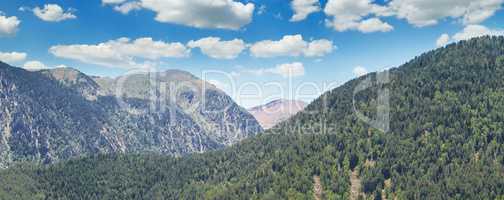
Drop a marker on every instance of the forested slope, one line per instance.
(445, 142)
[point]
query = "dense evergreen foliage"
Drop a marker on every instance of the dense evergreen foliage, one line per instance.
(445, 142)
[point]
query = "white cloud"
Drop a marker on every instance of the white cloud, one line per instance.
(425, 13)
(128, 7)
(364, 15)
(318, 48)
(122, 52)
(290, 69)
(61, 66)
(294, 69)
(24, 8)
(360, 71)
(8, 25)
(102, 54)
(374, 25)
(215, 48)
(261, 10)
(472, 31)
(291, 45)
(443, 40)
(150, 49)
(221, 14)
(302, 8)
(113, 1)
(12, 57)
(53, 13)
(349, 15)
(34, 65)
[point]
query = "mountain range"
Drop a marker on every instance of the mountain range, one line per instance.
(57, 114)
(440, 136)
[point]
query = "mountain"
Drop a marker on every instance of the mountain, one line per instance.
(57, 114)
(444, 140)
(274, 112)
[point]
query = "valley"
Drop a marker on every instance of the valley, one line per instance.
(445, 142)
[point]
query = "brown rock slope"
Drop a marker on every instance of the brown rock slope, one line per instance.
(274, 112)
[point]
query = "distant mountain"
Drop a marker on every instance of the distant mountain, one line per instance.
(276, 111)
(56, 114)
(445, 141)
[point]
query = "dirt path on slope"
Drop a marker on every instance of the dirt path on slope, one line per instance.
(317, 188)
(355, 185)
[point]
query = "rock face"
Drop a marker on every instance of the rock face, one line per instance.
(276, 111)
(50, 115)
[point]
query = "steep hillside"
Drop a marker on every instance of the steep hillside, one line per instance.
(56, 114)
(445, 141)
(276, 111)
(75, 80)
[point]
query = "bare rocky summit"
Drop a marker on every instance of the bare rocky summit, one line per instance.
(276, 111)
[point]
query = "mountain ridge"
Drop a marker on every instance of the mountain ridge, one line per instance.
(55, 114)
(445, 142)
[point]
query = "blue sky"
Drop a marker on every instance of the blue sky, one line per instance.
(365, 35)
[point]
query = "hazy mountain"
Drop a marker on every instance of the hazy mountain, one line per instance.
(57, 114)
(445, 140)
(276, 111)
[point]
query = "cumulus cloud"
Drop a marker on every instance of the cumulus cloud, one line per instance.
(443, 40)
(365, 15)
(8, 25)
(113, 1)
(374, 25)
(294, 69)
(425, 13)
(360, 71)
(34, 65)
(12, 57)
(220, 14)
(290, 69)
(291, 45)
(128, 7)
(350, 15)
(318, 48)
(302, 8)
(470, 31)
(215, 48)
(122, 52)
(53, 13)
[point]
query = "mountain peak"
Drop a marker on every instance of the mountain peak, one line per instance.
(276, 111)
(64, 73)
(74, 79)
(66, 114)
(179, 72)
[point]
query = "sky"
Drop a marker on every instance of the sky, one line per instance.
(254, 50)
